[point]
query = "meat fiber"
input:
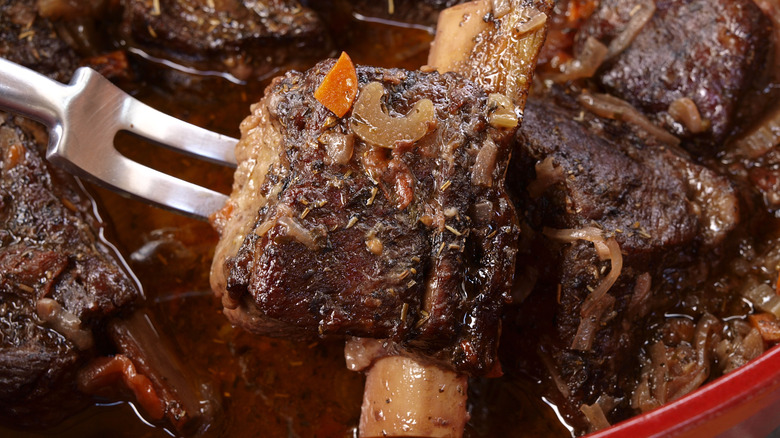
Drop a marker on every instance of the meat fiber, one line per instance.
(331, 230)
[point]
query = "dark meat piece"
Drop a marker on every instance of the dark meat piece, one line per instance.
(327, 234)
(420, 12)
(55, 46)
(243, 38)
(31, 40)
(708, 51)
(668, 216)
(631, 184)
(58, 281)
(754, 159)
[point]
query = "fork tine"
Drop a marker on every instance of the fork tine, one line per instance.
(177, 134)
(83, 119)
(121, 174)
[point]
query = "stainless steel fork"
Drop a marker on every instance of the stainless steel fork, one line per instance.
(84, 117)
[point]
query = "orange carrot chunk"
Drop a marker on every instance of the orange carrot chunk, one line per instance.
(767, 325)
(339, 88)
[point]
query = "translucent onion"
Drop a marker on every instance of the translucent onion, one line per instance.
(597, 301)
(685, 111)
(547, 174)
(639, 18)
(595, 416)
(296, 231)
(611, 107)
(378, 128)
(556, 378)
(765, 298)
(485, 164)
(585, 64)
(761, 138)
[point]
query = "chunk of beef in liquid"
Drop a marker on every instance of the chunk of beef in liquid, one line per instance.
(59, 281)
(226, 36)
(416, 12)
(32, 41)
(703, 50)
(326, 234)
(668, 215)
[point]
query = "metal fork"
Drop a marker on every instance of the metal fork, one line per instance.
(84, 117)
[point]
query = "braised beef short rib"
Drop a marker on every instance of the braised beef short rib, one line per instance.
(669, 217)
(335, 229)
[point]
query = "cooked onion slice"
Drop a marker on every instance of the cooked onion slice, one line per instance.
(485, 164)
(597, 302)
(685, 111)
(585, 64)
(765, 298)
(641, 14)
(762, 138)
(547, 175)
(611, 107)
(596, 412)
(378, 128)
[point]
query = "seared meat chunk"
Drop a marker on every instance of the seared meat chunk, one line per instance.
(58, 281)
(336, 227)
(625, 181)
(246, 39)
(636, 223)
(31, 40)
(706, 51)
(421, 12)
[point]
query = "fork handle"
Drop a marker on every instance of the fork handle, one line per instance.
(31, 94)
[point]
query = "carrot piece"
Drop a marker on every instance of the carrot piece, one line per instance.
(339, 88)
(767, 325)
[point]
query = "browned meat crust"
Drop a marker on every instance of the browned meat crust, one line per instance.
(388, 243)
(50, 249)
(651, 196)
(669, 217)
(706, 50)
(243, 38)
(420, 12)
(32, 41)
